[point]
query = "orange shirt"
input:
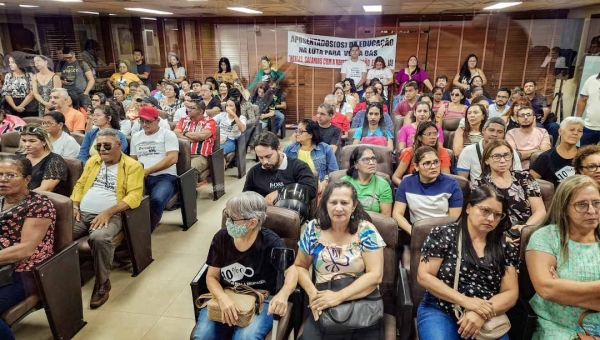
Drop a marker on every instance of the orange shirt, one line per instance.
(407, 155)
(74, 120)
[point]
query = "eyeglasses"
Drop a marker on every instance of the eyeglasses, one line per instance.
(299, 132)
(47, 123)
(498, 156)
(486, 212)
(524, 115)
(234, 219)
(431, 134)
(583, 207)
(455, 94)
(591, 167)
(431, 164)
(95, 99)
(9, 176)
(146, 122)
(107, 146)
(367, 160)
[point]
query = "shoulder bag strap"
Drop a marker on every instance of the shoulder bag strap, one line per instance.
(582, 316)
(457, 310)
(478, 151)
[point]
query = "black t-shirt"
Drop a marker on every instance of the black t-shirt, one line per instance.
(52, 166)
(278, 98)
(143, 68)
(214, 102)
(251, 267)
(552, 167)
(330, 135)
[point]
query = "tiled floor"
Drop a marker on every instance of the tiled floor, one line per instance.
(157, 304)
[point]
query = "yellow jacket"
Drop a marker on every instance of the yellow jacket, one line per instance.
(130, 180)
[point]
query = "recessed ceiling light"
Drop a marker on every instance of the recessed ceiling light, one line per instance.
(145, 18)
(244, 10)
(376, 8)
(86, 12)
(28, 6)
(502, 5)
(145, 10)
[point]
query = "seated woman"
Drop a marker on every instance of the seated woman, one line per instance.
(587, 161)
(10, 123)
(423, 113)
(63, 144)
(563, 257)
(49, 169)
(373, 130)
(522, 191)
(438, 94)
(232, 124)
(350, 93)
(374, 192)
(369, 92)
(103, 118)
(341, 239)
(455, 108)
(27, 232)
(341, 105)
(427, 135)
(310, 149)
(263, 97)
(427, 193)
(488, 284)
(470, 130)
(245, 246)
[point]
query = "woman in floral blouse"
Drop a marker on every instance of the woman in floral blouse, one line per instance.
(27, 222)
(488, 282)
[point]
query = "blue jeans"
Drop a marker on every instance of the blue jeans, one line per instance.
(434, 324)
(10, 295)
(228, 146)
(590, 137)
(257, 330)
(279, 119)
(161, 189)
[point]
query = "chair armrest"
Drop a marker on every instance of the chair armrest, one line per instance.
(404, 303)
(523, 320)
(198, 286)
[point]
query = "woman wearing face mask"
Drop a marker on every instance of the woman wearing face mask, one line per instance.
(470, 130)
(225, 72)
(427, 192)
(244, 249)
(175, 73)
(103, 118)
(17, 88)
(123, 78)
(456, 107)
(370, 92)
(406, 135)
(467, 72)
(43, 82)
(412, 71)
(373, 130)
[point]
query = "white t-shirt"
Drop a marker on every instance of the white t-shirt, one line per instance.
(66, 146)
(103, 193)
(592, 107)
(382, 75)
(153, 149)
(354, 70)
(180, 113)
(125, 127)
(137, 127)
(468, 161)
(494, 112)
(229, 128)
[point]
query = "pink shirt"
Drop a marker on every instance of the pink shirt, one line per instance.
(407, 135)
(10, 123)
(527, 142)
(403, 108)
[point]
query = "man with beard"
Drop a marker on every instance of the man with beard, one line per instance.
(499, 108)
(528, 138)
(276, 170)
(541, 109)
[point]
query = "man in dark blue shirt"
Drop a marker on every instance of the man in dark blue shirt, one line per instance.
(143, 69)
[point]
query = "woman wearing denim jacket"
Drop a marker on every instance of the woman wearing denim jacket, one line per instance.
(309, 148)
(104, 117)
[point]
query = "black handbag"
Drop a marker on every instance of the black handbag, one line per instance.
(6, 273)
(350, 315)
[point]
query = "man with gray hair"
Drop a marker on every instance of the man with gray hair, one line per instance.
(556, 164)
(111, 182)
(61, 101)
(469, 161)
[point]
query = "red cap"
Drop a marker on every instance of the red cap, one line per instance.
(148, 113)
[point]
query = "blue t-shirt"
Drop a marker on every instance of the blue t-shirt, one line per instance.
(377, 132)
(427, 200)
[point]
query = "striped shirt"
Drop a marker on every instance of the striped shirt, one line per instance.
(205, 147)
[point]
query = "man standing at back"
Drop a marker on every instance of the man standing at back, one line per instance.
(76, 75)
(157, 149)
(355, 69)
(141, 69)
(589, 102)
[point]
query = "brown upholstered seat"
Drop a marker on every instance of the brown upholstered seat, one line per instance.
(398, 123)
(79, 137)
(216, 168)
(75, 169)
(547, 189)
(34, 120)
(10, 142)
(384, 157)
(464, 185)
(450, 124)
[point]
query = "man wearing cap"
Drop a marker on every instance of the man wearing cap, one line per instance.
(157, 149)
(201, 131)
(148, 101)
(266, 70)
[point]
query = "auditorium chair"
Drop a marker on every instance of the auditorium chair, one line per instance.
(10, 142)
(185, 189)
(74, 171)
(453, 161)
(547, 189)
(449, 140)
(136, 232)
(450, 124)
(33, 120)
(216, 168)
(286, 224)
(54, 284)
(272, 126)
(534, 156)
(337, 175)
(384, 157)
(78, 137)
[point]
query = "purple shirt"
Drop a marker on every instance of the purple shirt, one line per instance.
(419, 77)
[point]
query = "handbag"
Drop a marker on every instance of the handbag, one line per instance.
(350, 315)
(374, 140)
(492, 329)
(249, 301)
(6, 273)
(585, 335)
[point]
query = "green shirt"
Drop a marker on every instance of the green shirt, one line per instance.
(377, 191)
(556, 321)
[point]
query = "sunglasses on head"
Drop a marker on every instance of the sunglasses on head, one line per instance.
(107, 146)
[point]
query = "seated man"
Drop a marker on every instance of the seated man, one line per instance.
(410, 99)
(201, 131)
(157, 149)
(111, 182)
(276, 170)
(62, 102)
(330, 134)
(528, 138)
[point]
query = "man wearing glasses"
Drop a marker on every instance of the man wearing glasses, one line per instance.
(149, 101)
(157, 149)
(76, 75)
(111, 182)
(528, 138)
(500, 106)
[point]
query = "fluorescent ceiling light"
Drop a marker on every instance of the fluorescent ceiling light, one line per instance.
(376, 8)
(502, 5)
(86, 12)
(1, 3)
(111, 14)
(68, 0)
(28, 6)
(145, 10)
(244, 10)
(144, 18)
